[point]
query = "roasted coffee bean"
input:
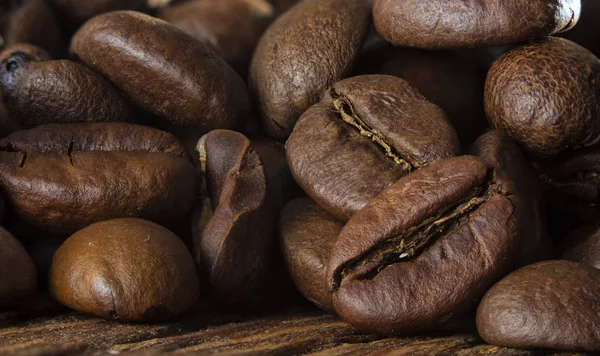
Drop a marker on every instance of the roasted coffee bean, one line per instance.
(546, 95)
(63, 177)
(436, 24)
(365, 134)
(420, 253)
(307, 234)
(17, 272)
(125, 269)
(305, 51)
(164, 70)
(30, 21)
(583, 246)
(37, 91)
(547, 305)
(587, 31)
(231, 27)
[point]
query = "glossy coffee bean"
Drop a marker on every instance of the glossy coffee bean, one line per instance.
(420, 253)
(17, 272)
(307, 234)
(231, 27)
(30, 21)
(125, 269)
(164, 70)
(36, 91)
(583, 246)
(545, 95)
(306, 50)
(63, 177)
(548, 305)
(587, 31)
(365, 134)
(437, 24)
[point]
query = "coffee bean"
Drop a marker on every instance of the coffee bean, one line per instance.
(63, 177)
(231, 27)
(546, 95)
(17, 273)
(37, 91)
(305, 51)
(125, 269)
(583, 246)
(421, 252)
(164, 70)
(307, 234)
(437, 24)
(548, 305)
(366, 133)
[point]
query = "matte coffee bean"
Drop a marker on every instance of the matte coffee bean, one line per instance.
(365, 134)
(437, 24)
(546, 95)
(583, 246)
(17, 272)
(63, 177)
(548, 305)
(164, 70)
(125, 269)
(36, 91)
(231, 27)
(307, 234)
(420, 253)
(301, 54)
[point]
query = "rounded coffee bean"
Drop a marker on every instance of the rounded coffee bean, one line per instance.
(546, 95)
(421, 252)
(164, 70)
(231, 27)
(17, 272)
(307, 49)
(583, 246)
(436, 24)
(36, 91)
(365, 134)
(125, 269)
(307, 234)
(63, 177)
(548, 305)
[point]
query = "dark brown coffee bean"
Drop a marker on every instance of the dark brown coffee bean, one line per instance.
(37, 91)
(307, 234)
(63, 177)
(30, 21)
(548, 305)
(546, 95)
(583, 246)
(164, 70)
(17, 272)
(305, 51)
(125, 269)
(436, 24)
(422, 251)
(231, 27)
(365, 134)
(587, 31)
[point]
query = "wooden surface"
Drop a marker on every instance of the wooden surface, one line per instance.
(207, 330)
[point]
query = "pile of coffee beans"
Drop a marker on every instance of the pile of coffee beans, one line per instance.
(409, 165)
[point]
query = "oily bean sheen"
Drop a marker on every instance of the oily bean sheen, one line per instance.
(546, 95)
(306, 50)
(436, 24)
(307, 234)
(164, 70)
(547, 305)
(30, 21)
(231, 27)
(17, 272)
(234, 233)
(37, 91)
(366, 133)
(125, 269)
(420, 253)
(63, 177)
(583, 246)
